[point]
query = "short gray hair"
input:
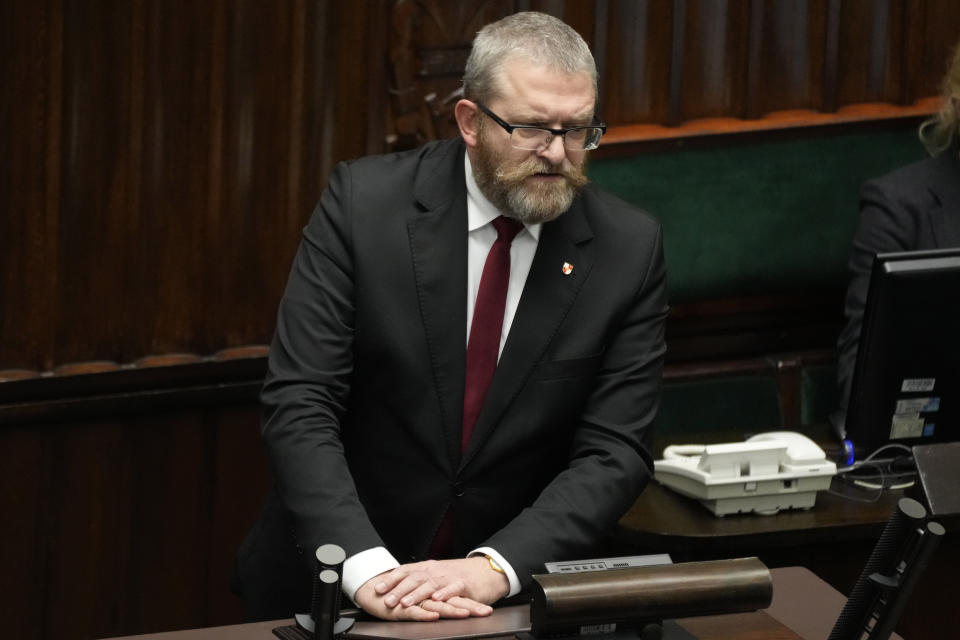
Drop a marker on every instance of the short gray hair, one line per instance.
(535, 37)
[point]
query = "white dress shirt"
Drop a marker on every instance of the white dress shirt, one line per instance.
(481, 234)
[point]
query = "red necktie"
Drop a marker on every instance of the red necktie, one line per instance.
(483, 347)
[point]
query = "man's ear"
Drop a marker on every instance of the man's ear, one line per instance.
(467, 115)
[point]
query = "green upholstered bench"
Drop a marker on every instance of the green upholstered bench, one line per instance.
(747, 403)
(756, 218)
(757, 233)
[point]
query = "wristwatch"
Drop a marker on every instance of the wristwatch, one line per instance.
(494, 564)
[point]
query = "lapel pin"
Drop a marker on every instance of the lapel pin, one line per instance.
(567, 268)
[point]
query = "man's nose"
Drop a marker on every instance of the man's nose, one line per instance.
(554, 152)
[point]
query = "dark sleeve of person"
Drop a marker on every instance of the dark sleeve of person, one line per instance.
(609, 463)
(890, 211)
(308, 382)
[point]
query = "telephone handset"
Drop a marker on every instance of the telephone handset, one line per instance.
(766, 473)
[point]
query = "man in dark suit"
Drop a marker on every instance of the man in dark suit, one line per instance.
(380, 437)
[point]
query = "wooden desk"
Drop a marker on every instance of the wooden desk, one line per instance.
(833, 540)
(804, 607)
(671, 523)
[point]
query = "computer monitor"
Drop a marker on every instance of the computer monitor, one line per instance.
(906, 388)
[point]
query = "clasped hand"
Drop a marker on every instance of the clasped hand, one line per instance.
(434, 589)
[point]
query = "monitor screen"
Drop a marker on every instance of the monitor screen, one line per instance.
(906, 387)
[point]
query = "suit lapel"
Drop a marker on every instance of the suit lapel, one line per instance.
(547, 297)
(438, 243)
(945, 222)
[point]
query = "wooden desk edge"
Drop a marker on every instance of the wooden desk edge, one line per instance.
(803, 604)
(663, 519)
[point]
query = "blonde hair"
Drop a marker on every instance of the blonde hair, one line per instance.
(940, 130)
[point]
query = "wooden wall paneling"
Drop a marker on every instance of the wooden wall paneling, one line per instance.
(405, 110)
(86, 534)
(137, 127)
(831, 55)
(29, 111)
(871, 51)
(931, 32)
(886, 74)
(310, 137)
(591, 19)
(261, 94)
(914, 19)
(752, 88)
(152, 499)
(786, 56)
(377, 36)
(300, 59)
(638, 53)
(599, 46)
(172, 497)
(678, 52)
(350, 55)
(127, 525)
(214, 102)
(429, 41)
(412, 29)
(939, 34)
(159, 227)
(22, 491)
(95, 236)
(588, 18)
(243, 480)
(181, 207)
(713, 67)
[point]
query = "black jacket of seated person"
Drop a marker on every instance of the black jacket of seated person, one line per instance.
(364, 392)
(911, 208)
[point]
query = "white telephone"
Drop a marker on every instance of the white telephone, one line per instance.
(767, 473)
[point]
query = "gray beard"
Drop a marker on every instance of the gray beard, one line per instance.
(509, 191)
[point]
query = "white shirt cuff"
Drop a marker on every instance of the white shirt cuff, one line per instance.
(507, 569)
(360, 567)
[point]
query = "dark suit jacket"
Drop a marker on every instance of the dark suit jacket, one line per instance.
(914, 207)
(364, 393)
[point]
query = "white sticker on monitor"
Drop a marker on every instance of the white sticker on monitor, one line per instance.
(912, 385)
(917, 405)
(906, 426)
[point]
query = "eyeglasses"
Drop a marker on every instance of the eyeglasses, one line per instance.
(531, 138)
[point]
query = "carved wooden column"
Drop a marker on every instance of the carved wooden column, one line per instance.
(429, 44)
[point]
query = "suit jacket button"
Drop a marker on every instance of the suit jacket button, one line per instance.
(457, 489)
